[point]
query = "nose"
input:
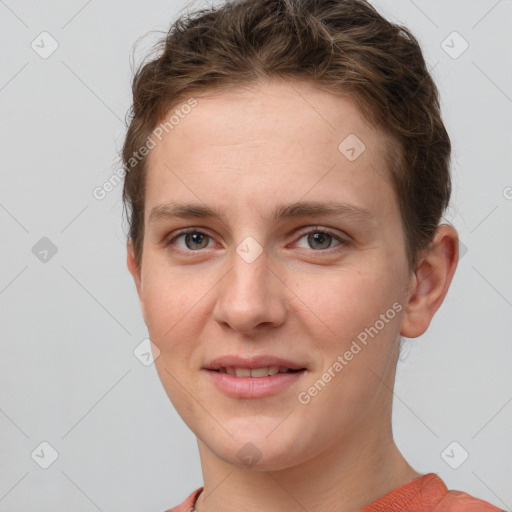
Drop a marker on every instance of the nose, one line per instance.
(251, 297)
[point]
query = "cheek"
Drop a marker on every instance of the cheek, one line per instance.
(172, 301)
(347, 324)
(358, 339)
(345, 302)
(172, 304)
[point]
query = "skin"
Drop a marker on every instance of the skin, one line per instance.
(244, 152)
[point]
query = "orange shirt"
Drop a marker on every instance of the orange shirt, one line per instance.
(427, 493)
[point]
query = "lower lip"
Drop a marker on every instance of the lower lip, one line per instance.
(253, 387)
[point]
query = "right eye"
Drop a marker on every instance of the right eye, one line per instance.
(192, 238)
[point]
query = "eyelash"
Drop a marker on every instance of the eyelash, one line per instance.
(342, 243)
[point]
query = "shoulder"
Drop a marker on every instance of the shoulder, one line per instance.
(457, 501)
(188, 504)
(428, 493)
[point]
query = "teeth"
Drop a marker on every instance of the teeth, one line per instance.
(254, 372)
(259, 372)
(242, 372)
(272, 370)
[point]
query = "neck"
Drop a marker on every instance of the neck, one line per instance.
(343, 478)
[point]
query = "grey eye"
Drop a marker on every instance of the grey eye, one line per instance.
(323, 239)
(194, 240)
(319, 240)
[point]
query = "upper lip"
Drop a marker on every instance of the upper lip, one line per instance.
(261, 361)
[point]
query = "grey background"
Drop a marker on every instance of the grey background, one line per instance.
(69, 325)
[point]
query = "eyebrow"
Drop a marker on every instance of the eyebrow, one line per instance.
(286, 211)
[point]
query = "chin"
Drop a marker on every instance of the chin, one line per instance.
(250, 457)
(259, 451)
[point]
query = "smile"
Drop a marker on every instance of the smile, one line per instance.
(243, 384)
(237, 371)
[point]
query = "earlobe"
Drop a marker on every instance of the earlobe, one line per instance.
(431, 281)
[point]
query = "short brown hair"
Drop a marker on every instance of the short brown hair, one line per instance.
(341, 46)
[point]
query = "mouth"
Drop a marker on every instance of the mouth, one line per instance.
(254, 376)
(242, 382)
(265, 371)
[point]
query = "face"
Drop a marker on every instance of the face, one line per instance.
(322, 290)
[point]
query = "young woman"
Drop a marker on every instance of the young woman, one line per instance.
(286, 172)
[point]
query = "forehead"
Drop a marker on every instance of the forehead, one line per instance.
(277, 110)
(278, 134)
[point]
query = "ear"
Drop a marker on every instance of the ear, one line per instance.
(430, 281)
(136, 272)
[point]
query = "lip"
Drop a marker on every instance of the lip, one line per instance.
(252, 362)
(253, 387)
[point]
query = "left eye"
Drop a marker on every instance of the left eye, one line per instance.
(320, 239)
